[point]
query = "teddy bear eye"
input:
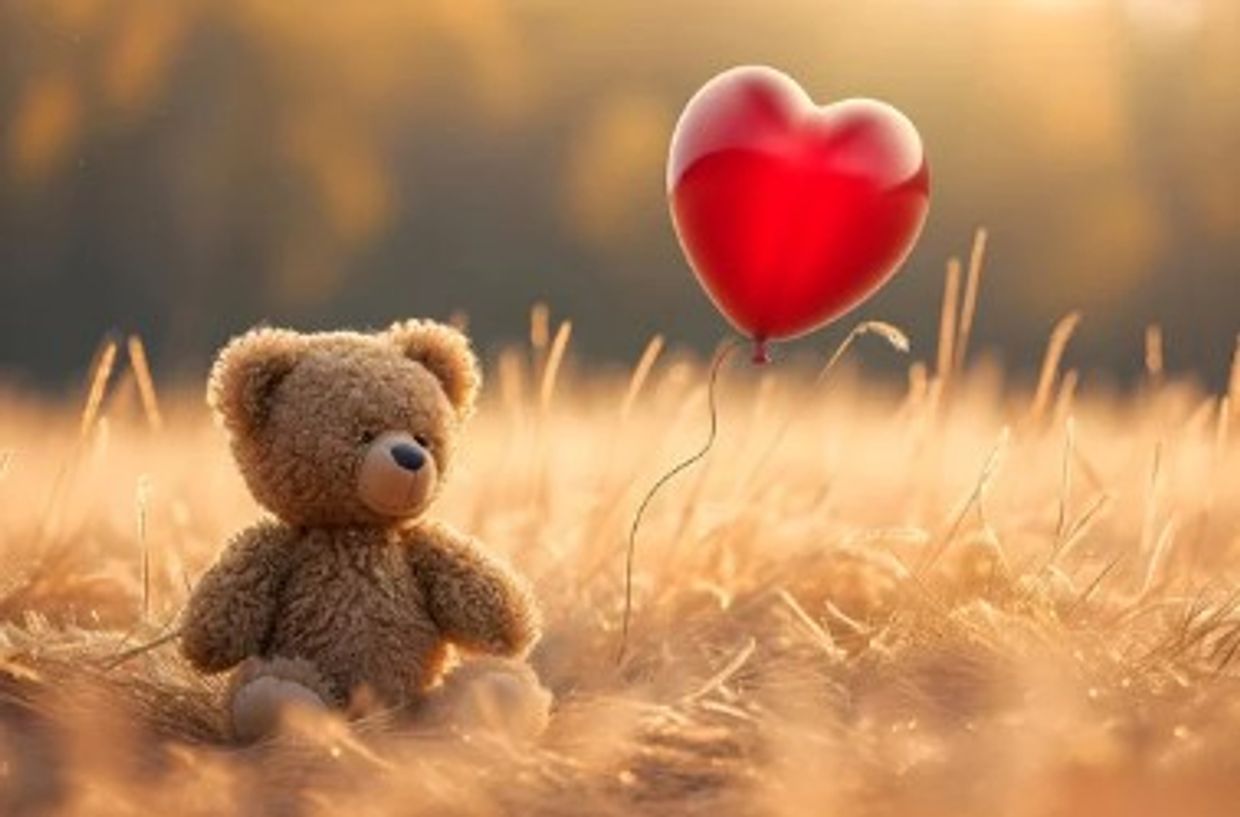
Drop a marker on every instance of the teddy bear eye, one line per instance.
(367, 437)
(421, 440)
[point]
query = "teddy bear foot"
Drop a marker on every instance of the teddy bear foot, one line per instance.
(258, 707)
(492, 695)
(265, 690)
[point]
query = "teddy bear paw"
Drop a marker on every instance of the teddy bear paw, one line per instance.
(258, 706)
(507, 702)
(495, 697)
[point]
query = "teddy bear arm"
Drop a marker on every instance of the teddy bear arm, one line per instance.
(476, 601)
(232, 608)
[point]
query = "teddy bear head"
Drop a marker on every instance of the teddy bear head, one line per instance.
(345, 428)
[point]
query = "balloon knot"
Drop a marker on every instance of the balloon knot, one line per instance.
(761, 354)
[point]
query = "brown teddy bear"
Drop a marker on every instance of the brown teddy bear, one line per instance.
(352, 595)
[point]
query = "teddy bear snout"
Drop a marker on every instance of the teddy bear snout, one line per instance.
(408, 456)
(397, 475)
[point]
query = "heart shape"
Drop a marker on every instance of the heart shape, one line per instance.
(789, 213)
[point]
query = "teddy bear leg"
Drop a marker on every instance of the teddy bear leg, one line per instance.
(264, 689)
(491, 693)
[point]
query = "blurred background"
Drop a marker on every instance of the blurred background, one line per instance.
(184, 169)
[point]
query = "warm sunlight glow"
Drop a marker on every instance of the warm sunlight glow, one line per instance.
(44, 124)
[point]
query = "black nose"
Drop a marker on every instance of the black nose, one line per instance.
(409, 457)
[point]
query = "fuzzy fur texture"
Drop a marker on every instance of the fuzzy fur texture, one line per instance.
(365, 602)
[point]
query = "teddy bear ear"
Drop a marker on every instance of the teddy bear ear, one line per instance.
(246, 373)
(446, 353)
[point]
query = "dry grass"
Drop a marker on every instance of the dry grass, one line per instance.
(861, 602)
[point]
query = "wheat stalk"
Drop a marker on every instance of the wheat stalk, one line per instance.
(1150, 508)
(989, 469)
(100, 373)
(1080, 528)
(552, 368)
(947, 323)
(1066, 396)
(142, 495)
(146, 385)
(540, 326)
(1154, 354)
(640, 372)
(721, 677)
(1058, 342)
(969, 307)
(818, 634)
(1065, 477)
(892, 334)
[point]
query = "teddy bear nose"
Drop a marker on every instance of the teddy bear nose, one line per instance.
(407, 456)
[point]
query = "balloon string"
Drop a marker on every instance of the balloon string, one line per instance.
(886, 331)
(720, 356)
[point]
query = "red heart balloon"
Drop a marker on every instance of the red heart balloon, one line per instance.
(789, 213)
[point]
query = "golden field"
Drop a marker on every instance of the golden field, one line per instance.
(951, 596)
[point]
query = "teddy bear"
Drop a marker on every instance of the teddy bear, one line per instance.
(351, 597)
